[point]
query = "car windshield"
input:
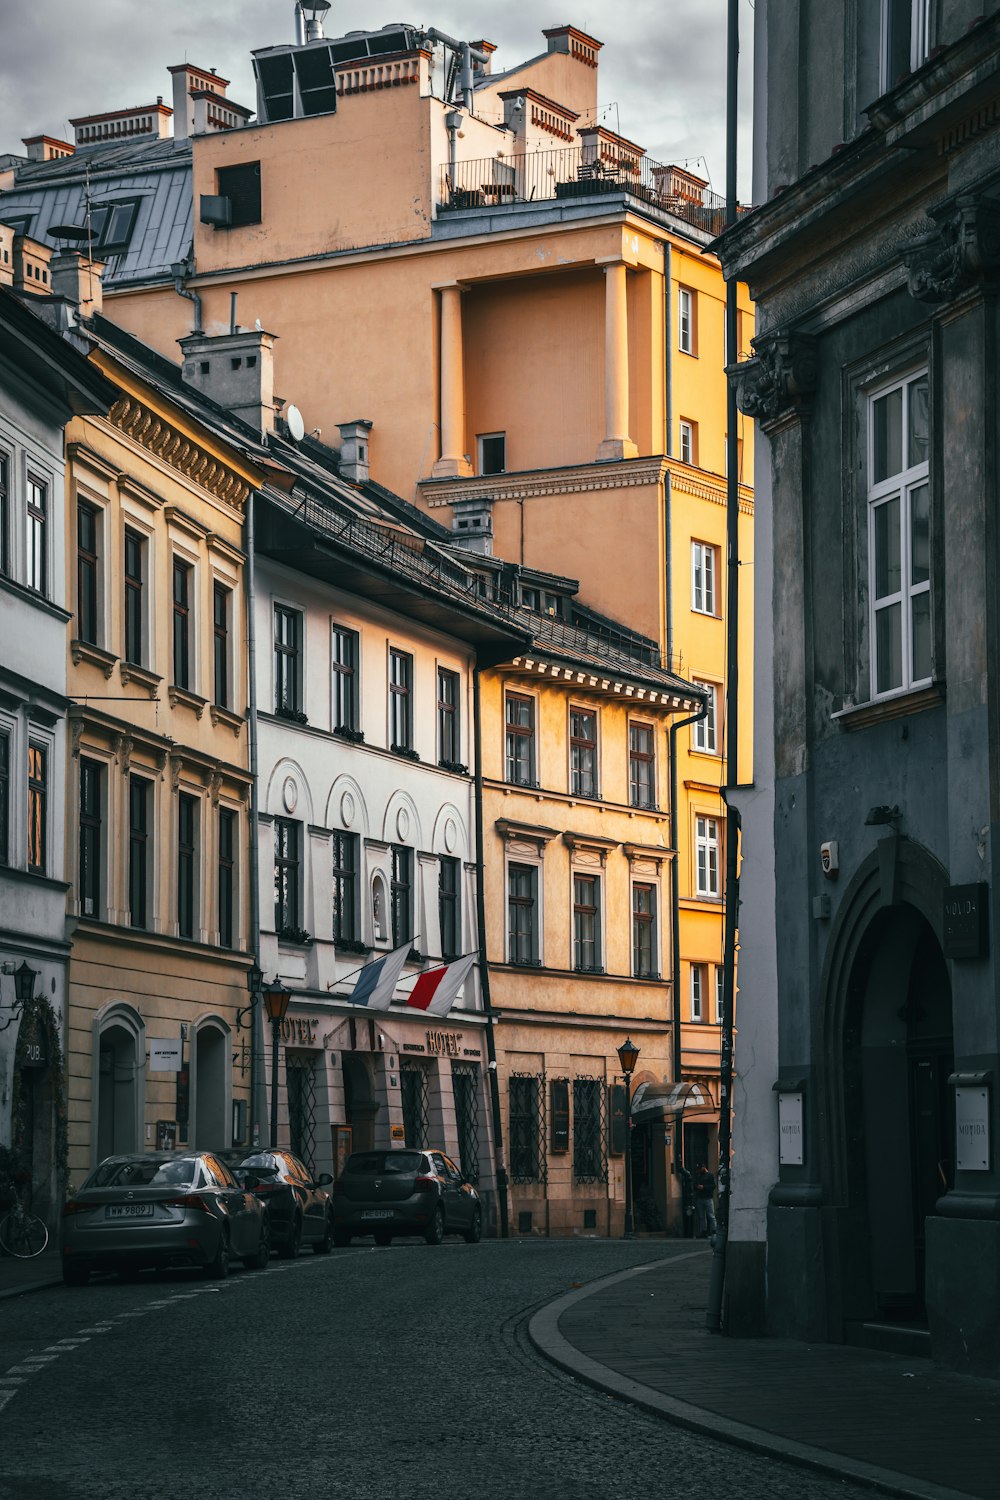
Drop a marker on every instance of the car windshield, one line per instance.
(131, 1174)
(384, 1163)
(262, 1163)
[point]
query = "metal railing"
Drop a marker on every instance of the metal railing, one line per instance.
(576, 172)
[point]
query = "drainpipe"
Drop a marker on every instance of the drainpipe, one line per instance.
(716, 1288)
(668, 351)
(484, 969)
(179, 271)
(453, 121)
(675, 923)
(258, 1099)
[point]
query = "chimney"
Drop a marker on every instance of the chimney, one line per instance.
(200, 102)
(78, 279)
(46, 148)
(30, 260)
(145, 121)
(472, 525)
(577, 43)
(354, 446)
(479, 68)
(235, 370)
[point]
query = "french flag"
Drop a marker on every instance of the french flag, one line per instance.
(377, 981)
(435, 990)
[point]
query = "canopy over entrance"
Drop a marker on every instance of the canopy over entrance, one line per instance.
(659, 1101)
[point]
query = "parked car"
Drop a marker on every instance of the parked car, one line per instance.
(160, 1209)
(299, 1206)
(386, 1193)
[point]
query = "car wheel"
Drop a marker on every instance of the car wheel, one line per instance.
(293, 1244)
(259, 1261)
(383, 1237)
(322, 1245)
(75, 1275)
(341, 1238)
(474, 1233)
(435, 1229)
(218, 1269)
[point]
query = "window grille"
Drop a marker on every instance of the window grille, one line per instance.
(465, 1085)
(413, 1088)
(300, 1081)
(590, 1130)
(526, 1101)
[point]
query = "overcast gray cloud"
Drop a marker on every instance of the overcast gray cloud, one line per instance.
(662, 74)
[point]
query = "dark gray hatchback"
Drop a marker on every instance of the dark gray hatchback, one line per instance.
(388, 1193)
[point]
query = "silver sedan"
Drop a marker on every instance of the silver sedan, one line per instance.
(160, 1209)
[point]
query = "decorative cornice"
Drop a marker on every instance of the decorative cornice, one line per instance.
(779, 381)
(167, 443)
(961, 251)
(575, 479)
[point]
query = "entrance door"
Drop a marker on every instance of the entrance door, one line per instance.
(211, 1061)
(359, 1106)
(117, 1129)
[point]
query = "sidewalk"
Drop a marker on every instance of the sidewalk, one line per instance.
(18, 1276)
(883, 1419)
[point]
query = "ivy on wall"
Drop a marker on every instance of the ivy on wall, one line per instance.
(39, 1025)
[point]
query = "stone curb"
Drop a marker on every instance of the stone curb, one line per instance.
(543, 1331)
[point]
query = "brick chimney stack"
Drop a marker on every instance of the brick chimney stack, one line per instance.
(78, 279)
(235, 370)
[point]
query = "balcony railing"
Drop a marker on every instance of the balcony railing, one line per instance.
(577, 172)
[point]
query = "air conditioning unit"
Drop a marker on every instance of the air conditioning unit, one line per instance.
(216, 211)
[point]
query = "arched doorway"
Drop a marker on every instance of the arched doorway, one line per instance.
(211, 1086)
(120, 1058)
(360, 1104)
(898, 1054)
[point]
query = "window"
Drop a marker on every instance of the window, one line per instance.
(588, 1130)
(241, 185)
(699, 983)
(687, 324)
(520, 715)
(641, 765)
(111, 225)
(345, 892)
(492, 452)
(525, 1104)
(344, 655)
(38, 498)
(4, 797)
(287, 874)
(583, 752)
(449, 745)
(644, 931)
(89, 874)
(400, 700)
(86, 572)
(704, 732)
(689, 441)
(540, 600)
(905, 40)
(135, 560)
(187, 822)
(401, 895)
(287, 661)
(587, 924)
(522, 914)
(899, 545)
(182, 623)
(4, 513)
(704, 570)
(37, 807)
(139, 850)
(720, 978)
(227, 877)
(706, 849)
(222, 599)
(449, 907)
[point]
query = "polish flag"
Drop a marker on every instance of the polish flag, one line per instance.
(436, 989)
(377, 981)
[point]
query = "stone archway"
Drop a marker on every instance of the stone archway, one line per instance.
(360, 1104)
(119, 1082)
(212, 1085)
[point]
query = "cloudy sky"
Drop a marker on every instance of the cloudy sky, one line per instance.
(662, 71)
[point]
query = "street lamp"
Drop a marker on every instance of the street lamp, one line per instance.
(628, 1056)
(24, 989)
(276, 999)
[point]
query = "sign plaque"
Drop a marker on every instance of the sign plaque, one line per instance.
(791, 1138)
(966, 923)
(972, 1129)
(165, 1054)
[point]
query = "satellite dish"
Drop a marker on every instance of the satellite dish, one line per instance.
(296, 426)
(67, 232)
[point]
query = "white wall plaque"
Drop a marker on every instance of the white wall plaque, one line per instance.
(165, 1054)
(790, 1130)
(972, 1129)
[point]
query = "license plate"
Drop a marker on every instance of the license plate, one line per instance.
(129, 1211)
(376, 1213)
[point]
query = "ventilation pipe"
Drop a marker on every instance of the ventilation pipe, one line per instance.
(309, 20)
(467, 55)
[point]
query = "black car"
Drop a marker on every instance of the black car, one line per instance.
(298, 1205)
(386, 1193)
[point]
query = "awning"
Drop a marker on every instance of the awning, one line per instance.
(658, 1101)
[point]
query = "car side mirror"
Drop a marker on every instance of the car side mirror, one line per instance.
(323, 1180)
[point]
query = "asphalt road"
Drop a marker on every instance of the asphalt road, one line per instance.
(369, 1373)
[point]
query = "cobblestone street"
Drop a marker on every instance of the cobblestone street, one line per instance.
(402, 1371)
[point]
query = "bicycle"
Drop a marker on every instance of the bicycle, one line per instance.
(22, 1234)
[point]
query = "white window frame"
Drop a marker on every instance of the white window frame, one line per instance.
(720, 974)
(705, 732)
(517, 857)
(704, 578)
(688, 429)
(696, 987)
(685, 320)
(920, 38)
(707, 856)
(899, 487)
(481, 438)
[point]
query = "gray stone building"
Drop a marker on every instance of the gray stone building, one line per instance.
(866, 1196)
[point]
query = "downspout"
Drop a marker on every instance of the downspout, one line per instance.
(716, 1288)
(675, 923)
(484, 969)
(182, 291)
(258, 1100)
(668, 351)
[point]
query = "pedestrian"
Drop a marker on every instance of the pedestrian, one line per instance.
(704, 1202)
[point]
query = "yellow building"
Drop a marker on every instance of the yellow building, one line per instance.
(158, 786)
